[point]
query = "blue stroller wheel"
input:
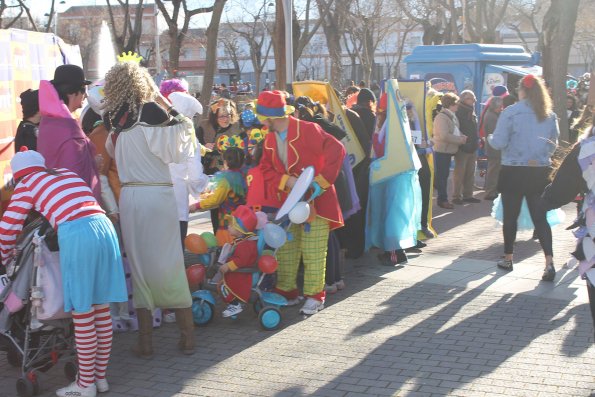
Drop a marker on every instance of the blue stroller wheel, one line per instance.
(202, 311)
(269, 318)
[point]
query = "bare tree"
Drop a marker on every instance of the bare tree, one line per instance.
(305, 25)
(527, 15)
(369, 23)
(558, 26)
(7, 13)
(255, 30)
(211, 56)
(333, 26)
(176, 33)
(126, 24)
(233, 50)
(482, 19)
(430, 15)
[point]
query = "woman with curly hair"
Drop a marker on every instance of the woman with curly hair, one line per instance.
(223, 119)
(145, 137)
(527, 135)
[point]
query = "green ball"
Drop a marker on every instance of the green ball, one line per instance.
(210, 239)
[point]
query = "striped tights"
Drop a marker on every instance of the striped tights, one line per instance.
(93, 338)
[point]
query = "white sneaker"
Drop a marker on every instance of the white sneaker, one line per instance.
(233, 310)
(74, 390)
(295, 301)
(169, 318)
(312, 306)
(102, 385)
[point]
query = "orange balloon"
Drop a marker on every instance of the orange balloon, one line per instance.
(195, 275)
(223, 237)
(196, 244)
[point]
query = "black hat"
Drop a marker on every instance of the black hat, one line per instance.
(365, 95)
(69, 74)
(29, 102)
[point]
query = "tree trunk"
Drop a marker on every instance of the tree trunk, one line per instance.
(258, 77)
(330, 27)
(174, 52)
(279, 47)
(558, 27)
(211, 62)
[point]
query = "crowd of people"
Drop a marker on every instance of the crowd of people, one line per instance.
(123, 175)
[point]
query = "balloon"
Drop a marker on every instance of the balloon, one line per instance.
(205, 259)
(274, 235)
(300, 213)
(195, 275)
(267, 264)
(261, 219)
(196, 244)
(223, 237)
(209, 238)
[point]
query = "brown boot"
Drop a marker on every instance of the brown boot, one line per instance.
(186, 325)
(144, 347)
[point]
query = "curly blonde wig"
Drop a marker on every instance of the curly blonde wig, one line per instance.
(129, 84)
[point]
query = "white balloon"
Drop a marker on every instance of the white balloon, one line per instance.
(300, 213)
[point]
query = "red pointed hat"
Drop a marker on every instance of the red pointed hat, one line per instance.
(244, 219)
(272, 105)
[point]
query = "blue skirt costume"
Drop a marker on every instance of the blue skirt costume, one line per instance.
(394, 212)
(91, 263)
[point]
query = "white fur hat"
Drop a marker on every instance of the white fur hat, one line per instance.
(26, 161)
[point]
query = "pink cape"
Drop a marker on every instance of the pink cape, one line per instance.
(62, 142)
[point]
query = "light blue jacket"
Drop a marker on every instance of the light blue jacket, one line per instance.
(523, 140)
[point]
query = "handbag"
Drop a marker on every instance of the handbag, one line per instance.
(47, 294)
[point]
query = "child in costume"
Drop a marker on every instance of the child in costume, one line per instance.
(235, 287)
(90, 261)
(258, 196)
(229, 189)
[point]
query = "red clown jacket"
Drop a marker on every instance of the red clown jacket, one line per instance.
(307, 145)
(245, 254)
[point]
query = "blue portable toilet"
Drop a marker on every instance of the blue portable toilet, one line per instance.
(476, 67)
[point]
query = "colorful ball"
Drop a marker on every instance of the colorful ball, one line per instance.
(196, 244)
(210, 239)
(236, 141)
(267, 264)
(195, 275)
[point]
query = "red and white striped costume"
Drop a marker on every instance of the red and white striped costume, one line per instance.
(59, 198)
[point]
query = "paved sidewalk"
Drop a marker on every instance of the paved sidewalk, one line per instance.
(447, 324)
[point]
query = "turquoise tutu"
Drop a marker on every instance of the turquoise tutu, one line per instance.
(91, 264)
(394, 212)
(524, 222)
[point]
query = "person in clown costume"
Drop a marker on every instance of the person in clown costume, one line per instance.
(290, 146)
(235, 287)
(187, 177)
(90, 261)
(258, 196)
(229, 187)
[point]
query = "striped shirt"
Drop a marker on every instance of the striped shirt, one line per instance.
(59, 198)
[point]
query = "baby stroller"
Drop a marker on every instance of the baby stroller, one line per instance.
(34, 330)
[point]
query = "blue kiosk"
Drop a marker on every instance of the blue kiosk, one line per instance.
(476, 67)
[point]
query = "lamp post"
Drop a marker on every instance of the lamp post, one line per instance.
(287, 15)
